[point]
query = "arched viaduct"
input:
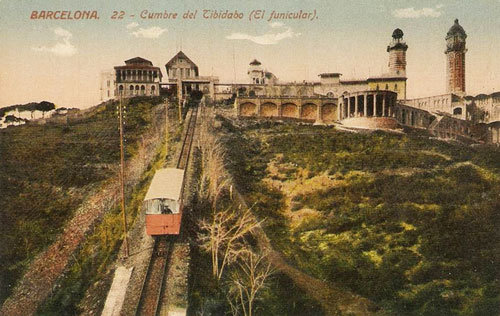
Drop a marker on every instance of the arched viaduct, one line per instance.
(308, 109)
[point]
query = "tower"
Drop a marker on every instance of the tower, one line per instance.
(397, 54)
(455, 64)
(256, 72)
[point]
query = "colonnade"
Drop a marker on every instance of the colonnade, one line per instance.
(367, 104)
(136, 75)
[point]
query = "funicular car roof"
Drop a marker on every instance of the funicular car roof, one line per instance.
(166, 184)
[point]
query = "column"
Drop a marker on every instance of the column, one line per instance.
(365, 104)
(374, 104)
(349, 106)
(384, 96)
(356, 100)
(341, 109)
(319, 111)
(346, 106)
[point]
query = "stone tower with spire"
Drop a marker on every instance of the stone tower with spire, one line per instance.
(397, 54)
(455, 61)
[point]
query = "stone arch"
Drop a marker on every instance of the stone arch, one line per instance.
(309, 111)
(329, 112)
(248, 109)
(290, 110)
(268, 110)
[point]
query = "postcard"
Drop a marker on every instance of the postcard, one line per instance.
(250, 157)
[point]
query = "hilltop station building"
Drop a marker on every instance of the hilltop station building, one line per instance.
(374, 102)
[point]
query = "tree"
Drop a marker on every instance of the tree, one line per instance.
(247, 280)
(214, 178)
(223, 236)
(45, 106)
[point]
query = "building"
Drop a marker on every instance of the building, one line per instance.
(456, 113)
(397, 54)
(455, 54)
(181, 67)
(265, 84)
(138, 77)
(394, 80)
(257, 74)
(184, 77)
(108, 85)
(380, 102)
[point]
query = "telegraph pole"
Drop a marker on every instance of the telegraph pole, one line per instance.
(122, 180)
(166, 125)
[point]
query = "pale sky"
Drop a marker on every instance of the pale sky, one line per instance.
(60, 60)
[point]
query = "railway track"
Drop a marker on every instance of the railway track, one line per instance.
(183, 160)
(153, 287)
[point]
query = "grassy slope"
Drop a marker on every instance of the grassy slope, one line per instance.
(409, 222)
(45, 173)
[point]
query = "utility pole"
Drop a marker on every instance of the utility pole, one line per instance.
(122, 180)
(166, 125)
(180, 111)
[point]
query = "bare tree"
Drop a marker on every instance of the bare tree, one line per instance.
(247, 280)
(223, 236)
(214, 178)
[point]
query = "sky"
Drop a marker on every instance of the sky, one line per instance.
(61, 60)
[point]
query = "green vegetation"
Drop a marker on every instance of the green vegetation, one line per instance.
(408, 222)
(98, 252)
(218, 286)
(46, 171)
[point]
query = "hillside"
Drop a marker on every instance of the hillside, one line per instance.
(408, 222)
(47, 171)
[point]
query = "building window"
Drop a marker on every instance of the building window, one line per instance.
(108, 83)
(396, 86)
(386, 87)
(188, 72)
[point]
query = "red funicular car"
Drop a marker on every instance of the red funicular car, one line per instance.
(163, 202)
